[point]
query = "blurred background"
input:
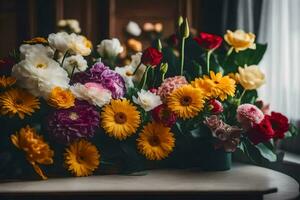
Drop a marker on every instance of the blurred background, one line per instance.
(138, 22)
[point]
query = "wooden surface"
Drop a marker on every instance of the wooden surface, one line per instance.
(240, 181)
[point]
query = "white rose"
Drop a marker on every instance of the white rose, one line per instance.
(133, 28)
(27, 50)
(39, 75)
(74, 25)
(147, 100)
(91, 92)
(135, 61)
(76, 61)
(109, 48)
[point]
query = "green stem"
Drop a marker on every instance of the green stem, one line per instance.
(72, 73)
(182, 56)
(240, 99)
(229, 51)
(63, 60)
(145, 77)
(208, 61)
(137, 68)
(163, 77)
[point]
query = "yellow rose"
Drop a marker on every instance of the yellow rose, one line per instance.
(239, 40)
(250, 77)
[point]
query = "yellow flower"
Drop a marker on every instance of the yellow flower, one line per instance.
(7, 81)
(37, 151)
(37, 40)
(82, 158)
(120, 119)
(250, 77)
(18, 101)
(206, 85)
(61, 99)
(239, 40)
(222, 86)
(186, 101)
(156, 141)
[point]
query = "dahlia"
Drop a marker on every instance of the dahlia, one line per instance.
(80, 121)
(248, 115)
(108, 78)
(169, 85)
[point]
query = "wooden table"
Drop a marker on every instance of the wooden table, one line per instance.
(241, 182)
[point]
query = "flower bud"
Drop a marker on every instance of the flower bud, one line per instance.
(215, 106)
(164, 68)
(180, 21)
(186, 29)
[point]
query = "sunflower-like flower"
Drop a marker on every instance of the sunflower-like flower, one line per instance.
(60, 98)
(37, 151)
(120, 119)
(206, 85)
(186, 101)
(82, 158)
(156, 141)
(18, 101)
(7, 81)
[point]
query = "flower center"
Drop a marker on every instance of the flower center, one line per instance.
(120, 118)
(40, 65)
(19, 101)
(216, 82)
(73, 116)
(154, 140)
(128, 73)
(186, 101)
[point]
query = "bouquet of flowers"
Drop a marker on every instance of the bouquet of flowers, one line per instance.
(64, 111)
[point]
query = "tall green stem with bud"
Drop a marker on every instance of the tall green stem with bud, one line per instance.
(185, 33)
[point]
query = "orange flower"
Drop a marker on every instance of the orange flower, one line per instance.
(37, 151)
(61, 99)
(7, 81)
(37, 40)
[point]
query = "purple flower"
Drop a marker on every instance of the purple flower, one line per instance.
(108, 78)
(80, 121)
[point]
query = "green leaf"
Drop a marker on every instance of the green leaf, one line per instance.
(251, 56)
(266, 152)
(293, 130)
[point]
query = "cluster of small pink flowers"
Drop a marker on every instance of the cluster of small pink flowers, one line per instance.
(169, 85)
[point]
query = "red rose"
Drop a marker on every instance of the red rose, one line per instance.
(261, 132)
(208, 41)
(151, 56)
(215, 106)
(162, 114)
(280, 124)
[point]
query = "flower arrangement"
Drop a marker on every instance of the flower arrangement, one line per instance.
(65, 112)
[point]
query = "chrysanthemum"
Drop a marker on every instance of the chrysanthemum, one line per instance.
(223, 86)
(82, 158)
(120, 119)
(156, 141)
(60, 98)
(37, 151)
(78, 122)
(206, 86)
(18, 101)
(6, 81)
(186, 101)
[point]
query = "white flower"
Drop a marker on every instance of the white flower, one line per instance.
(109, 48)
(39, 74)
(93, 93)
(147, 100)
(133, 28)
(76, 44)
(126, 73)
(76, 61)
(27, 50)
(59, 41)
(71, 24)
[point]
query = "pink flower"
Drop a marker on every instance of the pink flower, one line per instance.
(215, 106)
(169, 85)
(97, 86)
(164, 115)
(249, 115)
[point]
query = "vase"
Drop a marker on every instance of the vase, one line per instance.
(216, 160)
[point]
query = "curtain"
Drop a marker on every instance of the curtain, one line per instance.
(280, 28)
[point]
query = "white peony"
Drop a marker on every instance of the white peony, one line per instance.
(27, 50)
(147, 100)
(91, 92)
(76, 44)
(109, 48)
(39, 74)
(133, 29)
(76, 61)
